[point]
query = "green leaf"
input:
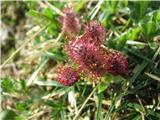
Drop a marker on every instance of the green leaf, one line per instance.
(55, 115)
(105, 83)
(48, 13)
(80, 4)
(8, 115)
(63, 90)
(113, 5)
(23, 85)
(138, 117)
(122, 41)
(46, 16)
(139, 70)
(149, 30)
(56, 105)
(151, 27)
(8, 85)
(153, 114)
(34, 13)
(133, 33)
(31, 4)
(135, 106)
(118, 78)
(143, 7)
(21, 106)
(57, 55)
(156, 16)
(152, 45)
(138, 10)
(20, 118)
(103, 86)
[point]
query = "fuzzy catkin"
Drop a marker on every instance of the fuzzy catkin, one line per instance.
(67, 76)
(95, 32)
(70, 23)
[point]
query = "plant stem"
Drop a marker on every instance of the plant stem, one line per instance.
(83, 105)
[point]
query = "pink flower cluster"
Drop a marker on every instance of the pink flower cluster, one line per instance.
(88, 55)
(87, 51)
(70, 23)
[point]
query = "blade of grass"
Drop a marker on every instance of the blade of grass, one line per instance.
(131, 42)
(33, 77)
(111, 108)
(83, 105)
(99, 107)
(62, 115)
(138, 54)
(53, 7)
(72, 99)
(143, 111)
(96, 9)
(156, 54)
(139, 70)
(153, 76)
(47, 83)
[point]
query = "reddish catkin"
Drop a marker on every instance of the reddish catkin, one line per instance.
(118, 64)
(90, 57)
(67, 76)
(70, 23)
(95, 32)
(86, 52)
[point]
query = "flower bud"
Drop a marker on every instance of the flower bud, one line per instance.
(67, 76)
(118, 64)
(95, 32)
(70, 23)
(90, 57)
